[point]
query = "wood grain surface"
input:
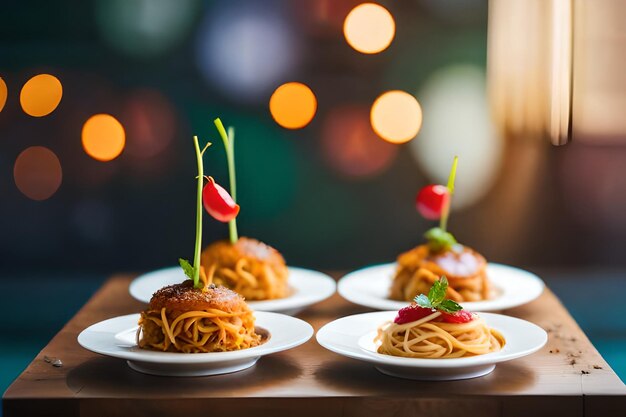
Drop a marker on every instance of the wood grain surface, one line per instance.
(567, 377)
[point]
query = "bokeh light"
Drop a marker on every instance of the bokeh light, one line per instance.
(457, 122)
(369, 28)
(150, 123)
(351, 147)
(293, 105)
(598, 82)
(244, 49)
(3, 93)
(396, 116)
(145, 28)
(103, 137)
(41, 95)
(37, 173)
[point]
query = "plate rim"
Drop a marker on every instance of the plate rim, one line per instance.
(327, 289)
(386, 303)
(172, 358)
(423, 363)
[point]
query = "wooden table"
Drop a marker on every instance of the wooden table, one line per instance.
(566, 378)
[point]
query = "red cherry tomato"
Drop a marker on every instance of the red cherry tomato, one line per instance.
(218, 203)
(431, 200)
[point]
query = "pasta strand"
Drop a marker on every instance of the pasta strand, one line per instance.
(197, 331)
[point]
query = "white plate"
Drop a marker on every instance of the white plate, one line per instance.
(369, 287)
(309, 287)
(116, 337)
(353, 336)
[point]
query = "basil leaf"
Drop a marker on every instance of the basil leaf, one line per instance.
(187, 268)
(449, 306)
(423, 301)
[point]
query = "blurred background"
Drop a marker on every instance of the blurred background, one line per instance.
(99, 101)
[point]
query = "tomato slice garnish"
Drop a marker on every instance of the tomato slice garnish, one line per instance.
(412, 313)
(461, 316)
(218, 203)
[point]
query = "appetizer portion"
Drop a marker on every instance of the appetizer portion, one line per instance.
(185, 319)
(437, 327)
(249, 267)
(420, 267)
(197, 316)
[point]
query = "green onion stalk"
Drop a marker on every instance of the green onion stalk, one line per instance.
(443, 222)
(229, 145)
(196, 257)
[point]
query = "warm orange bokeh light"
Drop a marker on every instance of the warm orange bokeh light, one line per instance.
(3, 93)
(293, 105)
(103, 137)
(41, 95)
(396, 116)
(37, 173)
(369, 28)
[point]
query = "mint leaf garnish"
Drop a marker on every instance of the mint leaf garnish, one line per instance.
(436, 298)
(437, 292)
(449, 306)
(187, 268)
(423, 301)
(439, 240)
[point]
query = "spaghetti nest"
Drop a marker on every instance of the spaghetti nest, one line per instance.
(249, 267)
(431, 338)
(419, 268)
(181, 318)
